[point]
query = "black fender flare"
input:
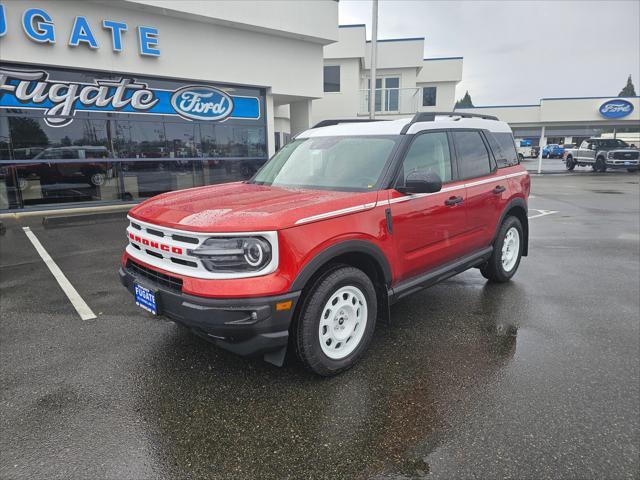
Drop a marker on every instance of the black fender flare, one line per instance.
(334, 251)
(520, 203)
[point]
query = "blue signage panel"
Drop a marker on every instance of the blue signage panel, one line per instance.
(616, 108)
(60, 100)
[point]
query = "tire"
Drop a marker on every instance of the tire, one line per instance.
(600, 166)
(632, 170)
(520, 157)
(570, 164)
(331, 316)
(501, 266)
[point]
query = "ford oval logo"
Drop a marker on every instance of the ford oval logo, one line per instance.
(202, 103)
(616, 108)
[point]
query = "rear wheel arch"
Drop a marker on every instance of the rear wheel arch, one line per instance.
(516, 208)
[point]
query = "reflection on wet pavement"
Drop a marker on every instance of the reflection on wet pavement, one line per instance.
(215, 413)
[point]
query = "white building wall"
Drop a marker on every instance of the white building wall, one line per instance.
(343, 104)
(190, 49)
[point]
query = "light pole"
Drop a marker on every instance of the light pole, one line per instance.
(374, 49)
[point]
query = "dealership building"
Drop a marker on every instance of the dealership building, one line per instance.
(111, 102)
(570, 120)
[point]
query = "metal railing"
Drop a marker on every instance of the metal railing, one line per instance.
(392, 101)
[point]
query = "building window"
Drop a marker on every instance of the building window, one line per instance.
(332, 78)
(429, 96)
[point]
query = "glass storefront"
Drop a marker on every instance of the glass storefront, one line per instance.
(105, 150)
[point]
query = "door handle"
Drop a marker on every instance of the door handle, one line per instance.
(498, 189)
(453, 201)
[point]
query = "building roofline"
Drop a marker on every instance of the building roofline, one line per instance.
(585, 98)
(353, 25)
(442, 58)
(500, 106)
(412, 39)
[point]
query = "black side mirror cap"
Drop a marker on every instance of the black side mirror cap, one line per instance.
(421, 182)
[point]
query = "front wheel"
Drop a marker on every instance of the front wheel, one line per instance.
(600, 165)
(570, 164)
(507, 252)
(632, 170)
(337, 321)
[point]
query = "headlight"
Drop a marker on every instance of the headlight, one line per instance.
(234, 254)
(610, 155)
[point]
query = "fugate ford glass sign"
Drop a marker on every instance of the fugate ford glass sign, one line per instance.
(40, 27)
(60, 100)
(616, 108)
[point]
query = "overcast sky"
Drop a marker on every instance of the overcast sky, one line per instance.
(516, 52)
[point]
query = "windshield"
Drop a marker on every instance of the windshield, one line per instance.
(329, 163)
(614, 142)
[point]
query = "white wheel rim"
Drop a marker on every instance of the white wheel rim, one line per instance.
(510, 249)
(97, 179)
(342, 322)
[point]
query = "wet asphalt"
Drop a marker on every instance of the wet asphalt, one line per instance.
(538, 378)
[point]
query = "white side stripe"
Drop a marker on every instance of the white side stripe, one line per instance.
(335, 213)
(379, 203)
(74, 297)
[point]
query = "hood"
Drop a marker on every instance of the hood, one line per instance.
(245, 207)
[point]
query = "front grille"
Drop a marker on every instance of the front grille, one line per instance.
(625, 155)
(137, 270)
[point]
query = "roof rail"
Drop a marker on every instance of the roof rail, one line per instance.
(431, 116)
(328, 123)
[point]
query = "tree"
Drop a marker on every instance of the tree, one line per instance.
(26, 133)
(629, 90)
(465, 102)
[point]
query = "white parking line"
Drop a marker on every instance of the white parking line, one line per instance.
(543, 213)
(72, 294)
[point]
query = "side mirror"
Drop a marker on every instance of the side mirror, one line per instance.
(420, 182)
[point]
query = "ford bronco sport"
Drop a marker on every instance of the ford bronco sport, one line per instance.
(341, 223)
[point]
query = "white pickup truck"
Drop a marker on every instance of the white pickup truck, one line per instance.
(603, 153)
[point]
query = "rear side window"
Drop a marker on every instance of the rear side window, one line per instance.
(504, 148)
(429, 152)
(473, 158)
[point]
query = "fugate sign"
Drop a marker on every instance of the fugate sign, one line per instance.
(60, 100)
(40, 27)
(616, 108)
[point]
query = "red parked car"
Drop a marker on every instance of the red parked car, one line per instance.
(336, 227)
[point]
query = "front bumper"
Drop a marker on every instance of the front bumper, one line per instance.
(245, 326)
(615, 163)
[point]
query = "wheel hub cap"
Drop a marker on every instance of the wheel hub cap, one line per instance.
(343, 322)
(510, 249)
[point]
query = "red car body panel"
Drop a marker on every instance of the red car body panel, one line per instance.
(242, 207)
(426, 231)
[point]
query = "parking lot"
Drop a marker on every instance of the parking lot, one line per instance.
(538, 378)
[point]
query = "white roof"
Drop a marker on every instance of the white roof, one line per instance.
(394, 127)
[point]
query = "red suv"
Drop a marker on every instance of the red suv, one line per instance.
(336, 227)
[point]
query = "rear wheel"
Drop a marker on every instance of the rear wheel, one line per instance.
(337, 321)
(507, 252)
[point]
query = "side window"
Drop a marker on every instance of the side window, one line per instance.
(584, 145)
(473, 158)
(429, 152)
(503, 148)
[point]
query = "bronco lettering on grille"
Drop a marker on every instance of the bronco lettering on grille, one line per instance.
(157, 245)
